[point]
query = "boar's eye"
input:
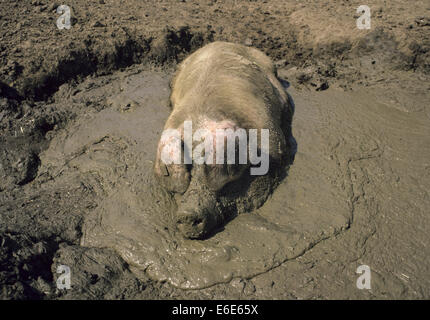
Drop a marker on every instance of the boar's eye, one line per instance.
(217, 176)
(174, 177)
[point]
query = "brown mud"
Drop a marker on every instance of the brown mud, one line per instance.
(81, 112)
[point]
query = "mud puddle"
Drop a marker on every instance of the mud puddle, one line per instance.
(112, 152)
(360, 176)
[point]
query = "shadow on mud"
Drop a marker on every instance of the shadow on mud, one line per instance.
(278, 172)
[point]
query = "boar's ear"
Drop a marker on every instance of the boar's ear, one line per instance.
(169, 167)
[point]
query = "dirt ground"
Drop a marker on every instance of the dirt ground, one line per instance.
(356, 194)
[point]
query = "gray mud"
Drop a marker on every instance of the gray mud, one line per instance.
(78, 133)
(356, 160)
(114, 151)
(355, 194)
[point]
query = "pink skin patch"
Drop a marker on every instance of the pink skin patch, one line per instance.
(220, 128)
(170, 148)
(213, 133)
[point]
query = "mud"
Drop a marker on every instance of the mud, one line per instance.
(114, 151)
(81, 114)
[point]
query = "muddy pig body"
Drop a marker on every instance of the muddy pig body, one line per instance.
(222, 86)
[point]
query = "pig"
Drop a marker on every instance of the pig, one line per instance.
(223, 86)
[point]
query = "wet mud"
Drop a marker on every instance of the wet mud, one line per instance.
(81, 114)
(342, 148)
(134, 214)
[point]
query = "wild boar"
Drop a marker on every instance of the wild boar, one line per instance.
(223, 88)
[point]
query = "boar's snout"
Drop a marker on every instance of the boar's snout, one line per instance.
(198, 213)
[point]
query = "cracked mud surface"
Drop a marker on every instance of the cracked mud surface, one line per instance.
(77, 138)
